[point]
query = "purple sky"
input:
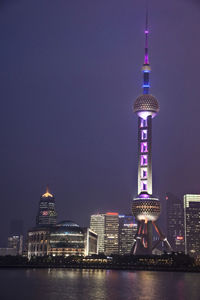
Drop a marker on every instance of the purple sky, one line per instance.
(69, 74)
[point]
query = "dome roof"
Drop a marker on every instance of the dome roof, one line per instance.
(67, 224)
(65, 228)
(146, 103)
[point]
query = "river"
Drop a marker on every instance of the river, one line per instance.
(71, 284)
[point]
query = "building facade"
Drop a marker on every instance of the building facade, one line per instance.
(192, 224)
(97, 224)
(65, 239)
(111, 233)
(175, 222)
(16, 242)
(127, 230)
(47, 211)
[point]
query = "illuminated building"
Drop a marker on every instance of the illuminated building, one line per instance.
(175, 222)
(97, 224)
(16, 242)
(64, 239)
(47, 213)
(146, 207)
(192, 224)
(127, 230)
(111, 233)
(8, 251)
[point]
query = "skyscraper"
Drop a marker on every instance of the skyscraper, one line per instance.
(175, 222)
(111, 233)
(127, 230)
(146, 207)
(47, 213)
(192, 224)
(97, 224)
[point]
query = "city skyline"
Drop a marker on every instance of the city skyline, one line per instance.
(91, 157)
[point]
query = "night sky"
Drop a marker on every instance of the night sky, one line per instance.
(70, 71)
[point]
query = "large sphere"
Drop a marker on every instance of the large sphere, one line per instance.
(146, 209)
(146, 105)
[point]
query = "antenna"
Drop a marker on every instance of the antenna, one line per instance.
(146, 56)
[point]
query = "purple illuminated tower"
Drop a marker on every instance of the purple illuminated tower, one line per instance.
(146, 207)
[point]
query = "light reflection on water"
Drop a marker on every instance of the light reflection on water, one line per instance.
(72, 284)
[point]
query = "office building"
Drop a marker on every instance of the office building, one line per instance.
(127, 231)
(16, 242)
(47, 212)
(192, 224)
(175, 222)
(111, 242)
(97, 224)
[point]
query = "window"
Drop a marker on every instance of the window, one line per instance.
(143, 123)
(144, 160)
(144, 134)
(144, 147)
(144, 173)
(144, 185)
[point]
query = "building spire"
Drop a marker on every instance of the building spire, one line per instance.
(146, 55)
(47, 193)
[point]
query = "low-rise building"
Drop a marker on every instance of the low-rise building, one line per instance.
(64, 239)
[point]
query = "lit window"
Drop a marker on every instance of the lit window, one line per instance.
(144, 173)
(144, 147)
(143, 123)
(144, 160)
(144, 134)
(144, 185)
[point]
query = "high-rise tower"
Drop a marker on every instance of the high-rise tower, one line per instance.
(47, 213)
(146, 207)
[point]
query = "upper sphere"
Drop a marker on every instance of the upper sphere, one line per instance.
(146, 105)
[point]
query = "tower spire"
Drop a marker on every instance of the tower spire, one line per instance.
(146, 55)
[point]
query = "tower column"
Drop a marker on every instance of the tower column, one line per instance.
(146, 207)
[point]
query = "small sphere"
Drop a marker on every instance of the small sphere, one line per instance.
(146, 105)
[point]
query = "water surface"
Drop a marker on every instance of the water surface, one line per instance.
(71, 284)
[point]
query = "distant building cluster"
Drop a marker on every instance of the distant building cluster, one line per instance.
(115, 232)
(183, 223)
(58, 239)
(109, 233)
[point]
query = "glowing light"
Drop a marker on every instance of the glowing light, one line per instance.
(112, 214)
(47, 194)
(180, 238)
(144, 196)
(45, 213)
(146, 31)
(146, 86)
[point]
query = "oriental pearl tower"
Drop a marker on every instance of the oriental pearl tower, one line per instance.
(146, 207)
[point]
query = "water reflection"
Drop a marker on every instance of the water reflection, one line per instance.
(73, 284)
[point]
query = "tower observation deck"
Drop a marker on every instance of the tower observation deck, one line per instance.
(146, 207)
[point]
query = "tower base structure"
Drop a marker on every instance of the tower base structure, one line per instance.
(146, 209)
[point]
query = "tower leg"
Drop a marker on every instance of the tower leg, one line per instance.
(149, 236)
(137, 237)
(162, 237)
(143, 239)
